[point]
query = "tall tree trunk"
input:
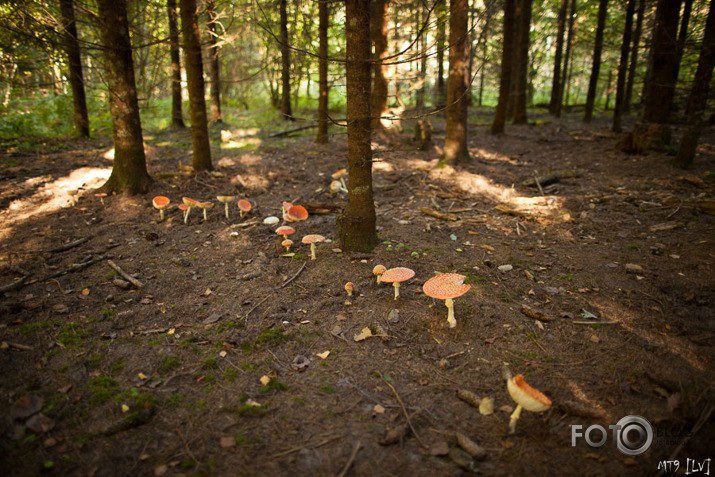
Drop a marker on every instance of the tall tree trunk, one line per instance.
(76, 77)
(357, 222)
(634, 56)
(596, 65)
(698, 96)
(440, 13)
(323, 20)
(129, 172)
(422, 54)
(214, 68)
(378, 35)
(177, 116)
(506, 66)
(483, 42)
(567, 57)
(522, 64)
(661, 84)
(455, 137)
(555, 104)
(285, 56)
(683, 33)
(623, 67)
(195, 78)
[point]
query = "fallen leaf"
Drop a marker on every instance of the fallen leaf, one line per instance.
(265, 380)
(486, 406)
(160, 470)
(378, 409)
(125, 408)
(364, 334)
(323, 355)
(227, 441)
(141, 375)
(252, 403)
(85, 291)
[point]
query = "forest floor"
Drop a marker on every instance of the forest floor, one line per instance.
(616, 256)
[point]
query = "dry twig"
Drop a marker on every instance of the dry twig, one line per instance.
(404, 411)
(124, 274)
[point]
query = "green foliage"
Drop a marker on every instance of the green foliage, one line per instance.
(71, 334)
(102, 389)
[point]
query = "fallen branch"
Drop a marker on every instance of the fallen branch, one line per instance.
(350, 461)
(11, 286)
(286, 132)
(67, 246)
(294, 276)
(6, 344)
(439, 215)
(74, 268)
(404, 411)
(535, 314)
(552, 177)
(125, 275)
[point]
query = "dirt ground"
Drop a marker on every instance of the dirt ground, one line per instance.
(615, 259)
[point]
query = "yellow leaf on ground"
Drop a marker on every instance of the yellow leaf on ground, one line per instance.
(364, 334)
(323, 355)
(265, 380)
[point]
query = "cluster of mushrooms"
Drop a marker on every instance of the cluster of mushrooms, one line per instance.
(161, 202)
(294, 213)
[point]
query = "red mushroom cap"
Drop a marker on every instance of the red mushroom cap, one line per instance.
(442, 287)
(399, 274)
(244, 205)
(312, 238)
(296, 213)
(285, 230)
(183, 207)
(160, 201)
(530, 399)
(190, 202)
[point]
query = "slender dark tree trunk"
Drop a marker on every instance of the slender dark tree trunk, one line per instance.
(596, 65)
(483, 42)
(129, 172)
(555, 104)
(441, 91)
(323, 20)
(422, 79)
(76, 77)
(634, 56)
(455, 137)
(177, 116)
(285, 56)
(522, 64)
(195, 79)
(565, 73)
(623, 67)
(378, 35)
(214, 67)
(698, 96)
(357, 222)
(609, 90)
(508, 45)
(661, 84)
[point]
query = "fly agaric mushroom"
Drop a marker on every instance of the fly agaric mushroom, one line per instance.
(205, 206)
(340, 175)
(285, 231)
(336, 187)
(378, 271)
(525, 397)
(349, 287)
(225, 200)
(446, 287)
(312, 240)
(72, 193)
(295, 213)
(184, 210)
(395, 276)
(285, 206)
(160, 202)
(189, 203)
(244, 206)
(101, 196)
(287, 243)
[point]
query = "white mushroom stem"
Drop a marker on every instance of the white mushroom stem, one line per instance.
(226, 204)
(397, 289)
(513, 418)
(450, 313)
(240, 213)
(342, 181)
(186, 215)
(161, 214)
(312, 250)
(378, 278)
(205, 215)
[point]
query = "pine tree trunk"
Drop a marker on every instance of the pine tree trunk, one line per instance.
(378, 35)
(522, 65)
(195, 78)
(129, 172)
(456, 134)
(623, 67)
(323, 20)
(286, 111)
(634, 56)
(177, 116)
(661, 84)
(698, 98)
(76, 77)
(357, 222)
(565, 73)
(555, 104)
(596, 65)
(214, 67)
(506, 67)
(440, 92)
(483, 42)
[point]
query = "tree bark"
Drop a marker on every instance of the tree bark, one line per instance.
(177, 116)
(634, 56)
(661, 84)
(214, 66)
(522, 62)
(567, 57)
(483, 42)
(129, 172)
(323, 20)
(440, 12)
(76, 77)
(456, 133)
(378, 34)
(596, 64)
(623, 67)
(555, 104)
(697, 100)
(195, 78)
(285, 58)
(506, 66)
(357, 222)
